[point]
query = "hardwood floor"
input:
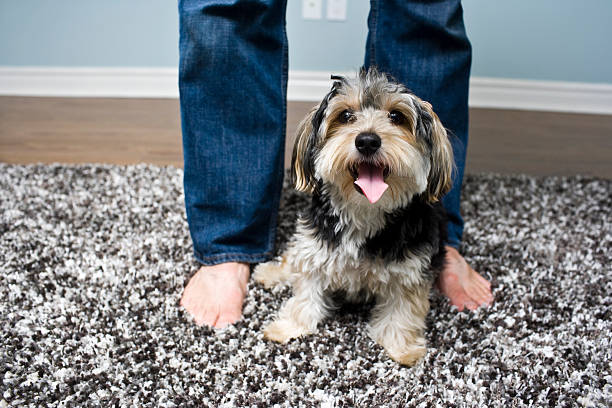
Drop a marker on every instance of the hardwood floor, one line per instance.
(540, 143)
(121, 131)
(79, 130)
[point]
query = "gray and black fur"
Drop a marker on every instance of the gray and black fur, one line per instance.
(376, 160)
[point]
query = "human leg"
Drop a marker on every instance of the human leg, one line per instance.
(232, 81)
(423, 44)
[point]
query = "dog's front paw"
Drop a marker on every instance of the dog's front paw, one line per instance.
(270, 274)
(410, 354)
(284, 330)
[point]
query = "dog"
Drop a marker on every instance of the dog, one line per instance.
(376, 160)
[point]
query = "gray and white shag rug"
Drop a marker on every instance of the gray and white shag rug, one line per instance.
(94, 258)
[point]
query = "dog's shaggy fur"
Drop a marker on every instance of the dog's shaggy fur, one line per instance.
(382, 238)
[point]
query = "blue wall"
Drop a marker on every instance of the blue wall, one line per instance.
(566, 40)
(105, 33)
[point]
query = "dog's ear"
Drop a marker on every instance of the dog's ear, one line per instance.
(304, 149)
(302, 168)
(429, 127)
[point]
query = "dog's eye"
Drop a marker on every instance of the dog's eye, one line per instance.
(346, 116)
(397, 117)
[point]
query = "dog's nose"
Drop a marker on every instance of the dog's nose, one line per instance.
(367, 143)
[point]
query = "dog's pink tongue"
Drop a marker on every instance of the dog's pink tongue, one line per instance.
(371, 181)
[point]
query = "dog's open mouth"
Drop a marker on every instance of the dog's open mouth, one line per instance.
(370, 180)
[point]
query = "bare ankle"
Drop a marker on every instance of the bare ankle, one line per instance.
(239, 270)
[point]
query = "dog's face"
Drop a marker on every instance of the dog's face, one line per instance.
(374, 141)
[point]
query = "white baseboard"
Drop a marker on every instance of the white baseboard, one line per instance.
(89, 82)
(554, 96)
(303, 86)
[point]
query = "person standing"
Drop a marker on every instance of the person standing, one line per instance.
(233, 83)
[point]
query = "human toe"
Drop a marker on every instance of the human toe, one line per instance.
(226, 319)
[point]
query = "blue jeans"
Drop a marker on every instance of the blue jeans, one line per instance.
(233, 82)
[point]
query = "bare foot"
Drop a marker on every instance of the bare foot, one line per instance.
(214, 295)
(463, 286)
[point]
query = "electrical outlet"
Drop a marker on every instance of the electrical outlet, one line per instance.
(336, 10)
(312, 9)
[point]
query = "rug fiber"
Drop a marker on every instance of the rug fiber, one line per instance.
(93, 260)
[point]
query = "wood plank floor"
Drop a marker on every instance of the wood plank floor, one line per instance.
(122, 131)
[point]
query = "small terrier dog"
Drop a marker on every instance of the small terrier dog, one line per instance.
(376, 160)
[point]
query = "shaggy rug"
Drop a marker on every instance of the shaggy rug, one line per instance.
(93, 260)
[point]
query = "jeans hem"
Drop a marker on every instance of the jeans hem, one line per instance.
(232, 257)
(453, 243)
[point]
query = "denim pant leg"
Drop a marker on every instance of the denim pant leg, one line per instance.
(423, 44)
(232, 81)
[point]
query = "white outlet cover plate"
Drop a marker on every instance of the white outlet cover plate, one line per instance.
(312, 9)
(336, 10)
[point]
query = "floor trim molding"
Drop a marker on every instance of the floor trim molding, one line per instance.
(89, 82)
(502, 93)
